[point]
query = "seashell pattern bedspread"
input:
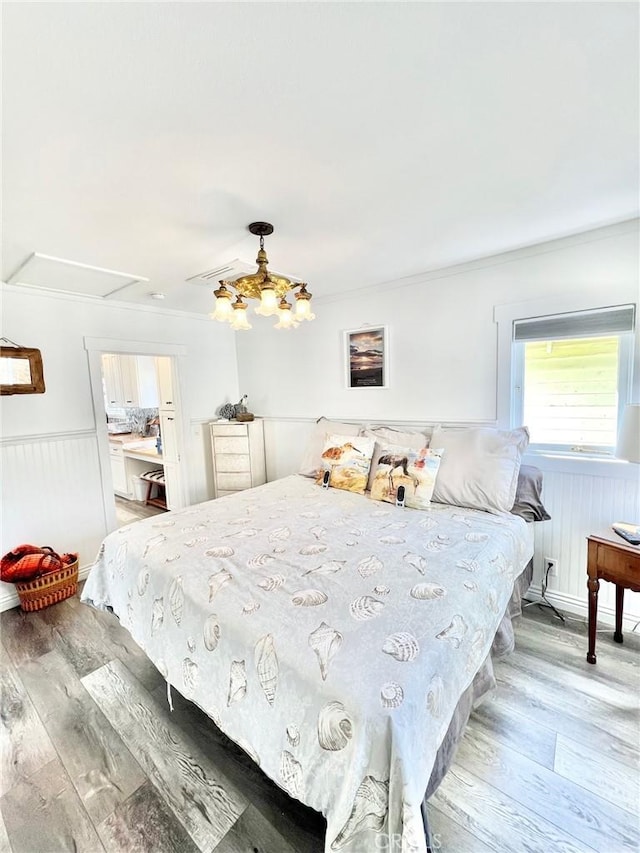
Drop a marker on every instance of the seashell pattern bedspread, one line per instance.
(331, 636)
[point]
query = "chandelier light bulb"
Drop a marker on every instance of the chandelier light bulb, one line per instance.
(287, 320)
(303, 304)
(239, 321)
(268, 301)
(223, 310)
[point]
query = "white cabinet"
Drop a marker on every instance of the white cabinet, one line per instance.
(173, 485)
(112, 380)
(139, 383)
(238, 456)
(119, 476)
(168, 432)
(148, 390)
(165, 383)
(130, 380)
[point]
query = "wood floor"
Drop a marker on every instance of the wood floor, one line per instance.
(93, 759)
(129, 511)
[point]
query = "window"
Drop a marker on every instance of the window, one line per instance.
(571, 377)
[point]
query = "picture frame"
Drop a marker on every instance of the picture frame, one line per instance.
(21, 371)
(366, 353)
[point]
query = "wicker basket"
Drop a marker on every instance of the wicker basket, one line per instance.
(49, 589)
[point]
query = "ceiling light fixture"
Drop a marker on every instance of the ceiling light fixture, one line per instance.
(269, 288)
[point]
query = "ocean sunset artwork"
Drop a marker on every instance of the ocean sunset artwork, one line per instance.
(366, 358)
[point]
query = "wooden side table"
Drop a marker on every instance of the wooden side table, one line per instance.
(611, 558)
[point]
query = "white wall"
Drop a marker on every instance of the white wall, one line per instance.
(444, 367)
(442, 333)
(51, 485)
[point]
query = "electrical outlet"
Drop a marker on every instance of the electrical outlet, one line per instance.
(551, 565)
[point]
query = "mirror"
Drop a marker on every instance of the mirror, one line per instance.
(21, 371)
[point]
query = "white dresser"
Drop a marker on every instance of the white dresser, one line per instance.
(238, 456)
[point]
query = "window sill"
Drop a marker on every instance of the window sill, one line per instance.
(566, 462)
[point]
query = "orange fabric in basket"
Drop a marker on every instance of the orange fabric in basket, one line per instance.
(27, 562)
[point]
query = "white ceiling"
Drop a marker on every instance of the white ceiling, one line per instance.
(380, 139)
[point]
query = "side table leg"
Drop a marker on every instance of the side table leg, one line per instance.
(593, 585)
(619, 603)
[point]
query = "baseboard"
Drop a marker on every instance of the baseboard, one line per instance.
(578, 607)
(9, 598)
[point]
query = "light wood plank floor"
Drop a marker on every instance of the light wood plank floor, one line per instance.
(93, 760)
(129, 511)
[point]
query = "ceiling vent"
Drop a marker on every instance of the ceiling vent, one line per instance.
(230, 272)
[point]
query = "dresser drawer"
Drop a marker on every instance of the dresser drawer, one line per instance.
(228, 429)
(231, 482)
(233, 463)
(230, 444)
(618, 565)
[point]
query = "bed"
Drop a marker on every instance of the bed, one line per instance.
(341, 642)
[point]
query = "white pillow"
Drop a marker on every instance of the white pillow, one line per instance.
(311, 461)
(479, 466)
(386, 436)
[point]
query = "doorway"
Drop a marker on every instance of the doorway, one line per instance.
(136, 400)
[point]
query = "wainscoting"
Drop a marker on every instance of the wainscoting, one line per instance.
(52, 495)
(580, 504)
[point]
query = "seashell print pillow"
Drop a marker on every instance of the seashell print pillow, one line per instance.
(416, 470)
(348, 459)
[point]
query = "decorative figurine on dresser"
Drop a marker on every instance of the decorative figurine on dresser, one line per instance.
(237, 447)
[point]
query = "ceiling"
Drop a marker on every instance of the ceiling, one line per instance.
(381, 140)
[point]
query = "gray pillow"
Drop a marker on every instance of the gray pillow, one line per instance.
(528, 503)
(479, 467)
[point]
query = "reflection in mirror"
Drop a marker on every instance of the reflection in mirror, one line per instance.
(15, 371)
(21, 371)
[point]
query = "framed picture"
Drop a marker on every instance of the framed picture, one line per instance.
(366, 355)
(21, 371)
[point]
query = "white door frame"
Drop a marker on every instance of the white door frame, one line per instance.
(95, 347)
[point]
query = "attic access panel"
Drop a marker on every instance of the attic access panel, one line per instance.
(67, 276)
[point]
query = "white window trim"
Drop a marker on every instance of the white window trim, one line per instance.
(505, 316)
(625, 364)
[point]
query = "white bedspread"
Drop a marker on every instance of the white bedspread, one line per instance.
(329, 635)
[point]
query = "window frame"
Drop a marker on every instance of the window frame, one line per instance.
(625, 373)
(506, 314)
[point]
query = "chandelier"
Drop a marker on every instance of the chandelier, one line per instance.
(269, 288)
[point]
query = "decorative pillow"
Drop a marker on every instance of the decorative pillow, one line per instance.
(416, 470)
(480, 466)
(387, 436)
(528, 503)
(348, 461)
(311, 463)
